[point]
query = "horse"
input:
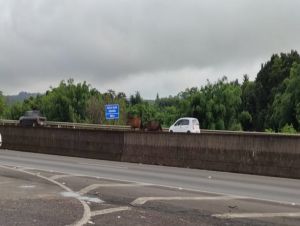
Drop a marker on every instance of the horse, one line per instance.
(152, 126)
(134, 122)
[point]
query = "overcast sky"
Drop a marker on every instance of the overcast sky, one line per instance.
(154, 46)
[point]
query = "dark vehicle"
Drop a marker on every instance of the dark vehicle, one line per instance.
(32, 118)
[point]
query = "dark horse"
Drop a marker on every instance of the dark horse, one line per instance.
(152, 126)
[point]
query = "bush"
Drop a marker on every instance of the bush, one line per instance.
(288, 129)
(269, 130)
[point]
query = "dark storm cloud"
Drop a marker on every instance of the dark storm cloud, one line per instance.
(106, 42)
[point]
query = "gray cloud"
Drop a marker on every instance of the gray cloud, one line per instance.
(112, 43)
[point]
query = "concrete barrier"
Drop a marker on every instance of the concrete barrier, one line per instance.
(252, 153)
(273, 155)
(97, 144)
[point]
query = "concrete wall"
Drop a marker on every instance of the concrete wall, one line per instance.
(70, 142)
(274, 155)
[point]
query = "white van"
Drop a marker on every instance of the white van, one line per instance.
(185, 125)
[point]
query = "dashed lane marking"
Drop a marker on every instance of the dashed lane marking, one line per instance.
(143, 200)
(255, 215)
(111, 210)
(95, 186)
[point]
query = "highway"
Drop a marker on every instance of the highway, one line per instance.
(277, 199)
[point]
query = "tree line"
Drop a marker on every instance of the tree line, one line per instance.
(269, 103)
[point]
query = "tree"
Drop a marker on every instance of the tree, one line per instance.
(67, 102)
(245, 119)
(217, 105)
(16, 110)
(136, 99)
(249, 102)
(111, 94)
(286, 106)
(2, 105)
(121, 95)
(268, 84)
(95, 110)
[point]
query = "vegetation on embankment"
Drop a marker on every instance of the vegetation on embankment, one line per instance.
(269, 103)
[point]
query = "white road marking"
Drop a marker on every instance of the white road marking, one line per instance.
(55, 177)
(166, 186)
(84, 198)
(27, 186)
(86, 209)
(95, 186)
(111, 210)
(143, 200)
(255, 215)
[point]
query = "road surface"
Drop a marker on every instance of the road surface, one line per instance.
(116, 193)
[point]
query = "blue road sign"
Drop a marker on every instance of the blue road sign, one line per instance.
(112, 111)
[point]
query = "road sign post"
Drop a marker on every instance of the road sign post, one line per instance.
(112, 112)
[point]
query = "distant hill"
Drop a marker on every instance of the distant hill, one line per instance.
(19, 98)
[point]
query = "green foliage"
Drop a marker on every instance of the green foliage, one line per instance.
(270, 83)
(2, 105)
(249, 102)
(169, 109)
(270, 103)
(67, 102)
(245, 119)
(16, 111)
(269, 130)
(285, 108)
(217, 105)
(147, 112)
(135, 111)
(136, 99)
(94, 109)
(288, 129)
(236, 127)
(70, 102)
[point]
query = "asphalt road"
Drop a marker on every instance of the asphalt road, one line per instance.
(39, 189)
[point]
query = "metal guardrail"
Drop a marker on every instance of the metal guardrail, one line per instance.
(8, 122)
(85, 126)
